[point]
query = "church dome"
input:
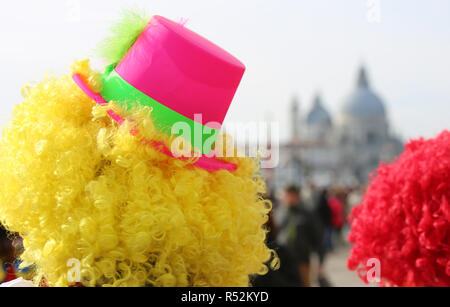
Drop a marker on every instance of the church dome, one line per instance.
(363, 102)
(318, 115)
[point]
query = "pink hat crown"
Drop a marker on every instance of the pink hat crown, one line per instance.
(182, 70)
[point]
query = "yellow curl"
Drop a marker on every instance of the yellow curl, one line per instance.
(76, 185)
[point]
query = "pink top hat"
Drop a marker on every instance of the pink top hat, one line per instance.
(182, 70)
(182, 76)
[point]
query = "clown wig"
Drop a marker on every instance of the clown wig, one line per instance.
(79, 188)
(404, 219)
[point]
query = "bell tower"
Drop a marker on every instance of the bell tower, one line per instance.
(295, 120)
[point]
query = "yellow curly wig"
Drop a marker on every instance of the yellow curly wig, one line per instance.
(76, 185)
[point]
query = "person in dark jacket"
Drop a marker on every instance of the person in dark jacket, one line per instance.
(301, 234)
(323, 212)
(287, 274)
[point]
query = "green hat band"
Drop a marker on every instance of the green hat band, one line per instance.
(117, 89)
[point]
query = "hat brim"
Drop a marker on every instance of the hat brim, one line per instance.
(204, 162)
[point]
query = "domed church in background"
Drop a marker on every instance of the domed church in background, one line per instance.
(318, 121)
(341, 149)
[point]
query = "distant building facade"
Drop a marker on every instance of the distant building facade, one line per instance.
(343, 149)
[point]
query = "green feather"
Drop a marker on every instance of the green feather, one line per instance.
(122, 36)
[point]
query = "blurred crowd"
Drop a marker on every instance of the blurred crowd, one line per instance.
(304, 227)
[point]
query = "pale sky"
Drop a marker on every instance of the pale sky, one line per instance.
(289, 47)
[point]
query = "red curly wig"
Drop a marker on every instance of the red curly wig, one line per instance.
(404, 219)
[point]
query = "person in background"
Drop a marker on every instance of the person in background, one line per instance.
(287, 274)
(336, 203)
(323, 212)
(7, 253)
(10, 246)
(310, 195)
(300, 233)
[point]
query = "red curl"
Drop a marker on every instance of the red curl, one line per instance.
(404, 219)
